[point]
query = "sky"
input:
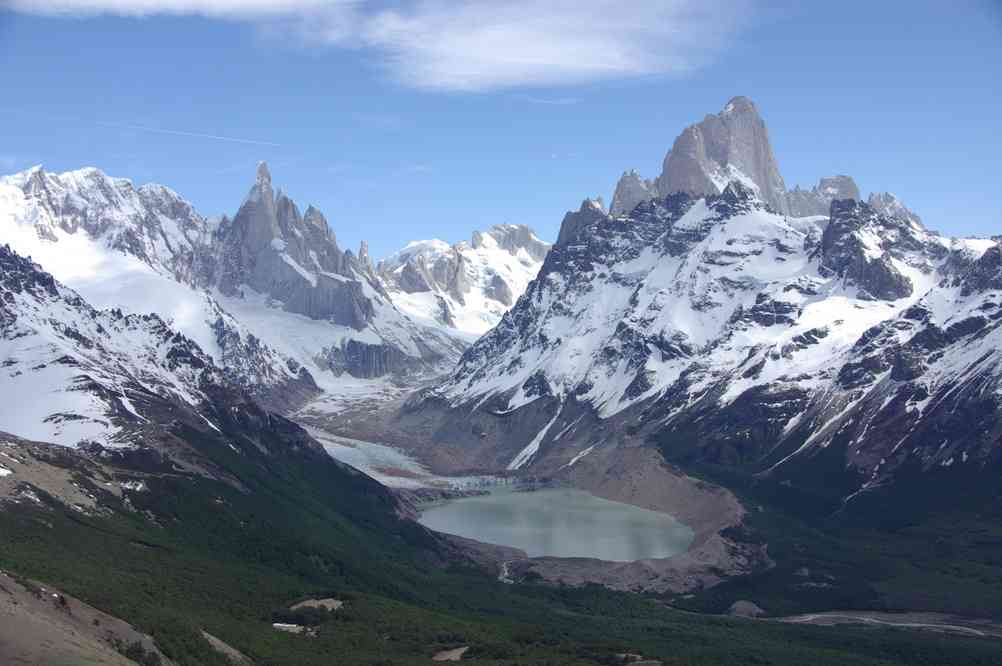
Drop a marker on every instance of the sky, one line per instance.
(413, 119)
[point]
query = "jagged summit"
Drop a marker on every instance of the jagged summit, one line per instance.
(467, 286)
(631, 190)
(889, 204)
(818, 200)
(732, 145)
(740, 104)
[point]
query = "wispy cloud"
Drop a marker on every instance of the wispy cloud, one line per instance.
(144, 128)
(551, 101)
(479, 45)
(195, 135)
(416, 168)
(214, 8)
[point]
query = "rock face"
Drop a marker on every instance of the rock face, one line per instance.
(467, 286)
(827, 352)
(241, 287)
(732, 145)
(818, 200)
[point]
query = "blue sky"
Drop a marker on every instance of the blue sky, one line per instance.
(410, 120)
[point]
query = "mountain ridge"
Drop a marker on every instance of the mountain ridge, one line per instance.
(466, 286)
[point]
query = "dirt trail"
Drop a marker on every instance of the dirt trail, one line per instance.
(451, 655)
(923, 621)
(235, 656)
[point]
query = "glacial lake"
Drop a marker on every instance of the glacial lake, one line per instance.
(561, 522)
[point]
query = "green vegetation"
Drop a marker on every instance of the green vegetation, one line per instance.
(928, 544)
(230, 561)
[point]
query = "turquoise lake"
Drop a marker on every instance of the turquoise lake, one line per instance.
(561, 522)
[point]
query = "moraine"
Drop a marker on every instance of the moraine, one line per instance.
(561, 522)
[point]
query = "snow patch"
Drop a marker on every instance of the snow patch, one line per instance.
(530, 450)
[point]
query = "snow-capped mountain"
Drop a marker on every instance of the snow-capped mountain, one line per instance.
(467, 286)
(728, 331)
(268, 295)
(74, 374)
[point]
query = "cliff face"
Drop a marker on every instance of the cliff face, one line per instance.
(731, 145)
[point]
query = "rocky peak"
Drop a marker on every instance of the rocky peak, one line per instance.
(631, 190)
(589, 212)
(364, 259)
(277, 251)
(20, 274)
(263, 175)
(732, 145)
(838, 187)
(888, 204)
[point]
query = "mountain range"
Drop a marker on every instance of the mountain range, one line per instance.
(268, 295)
(783, 370)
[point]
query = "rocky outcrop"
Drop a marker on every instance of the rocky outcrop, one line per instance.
(818, 201)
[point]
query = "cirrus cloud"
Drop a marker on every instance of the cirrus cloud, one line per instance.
(237, 9)
(477, 45)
